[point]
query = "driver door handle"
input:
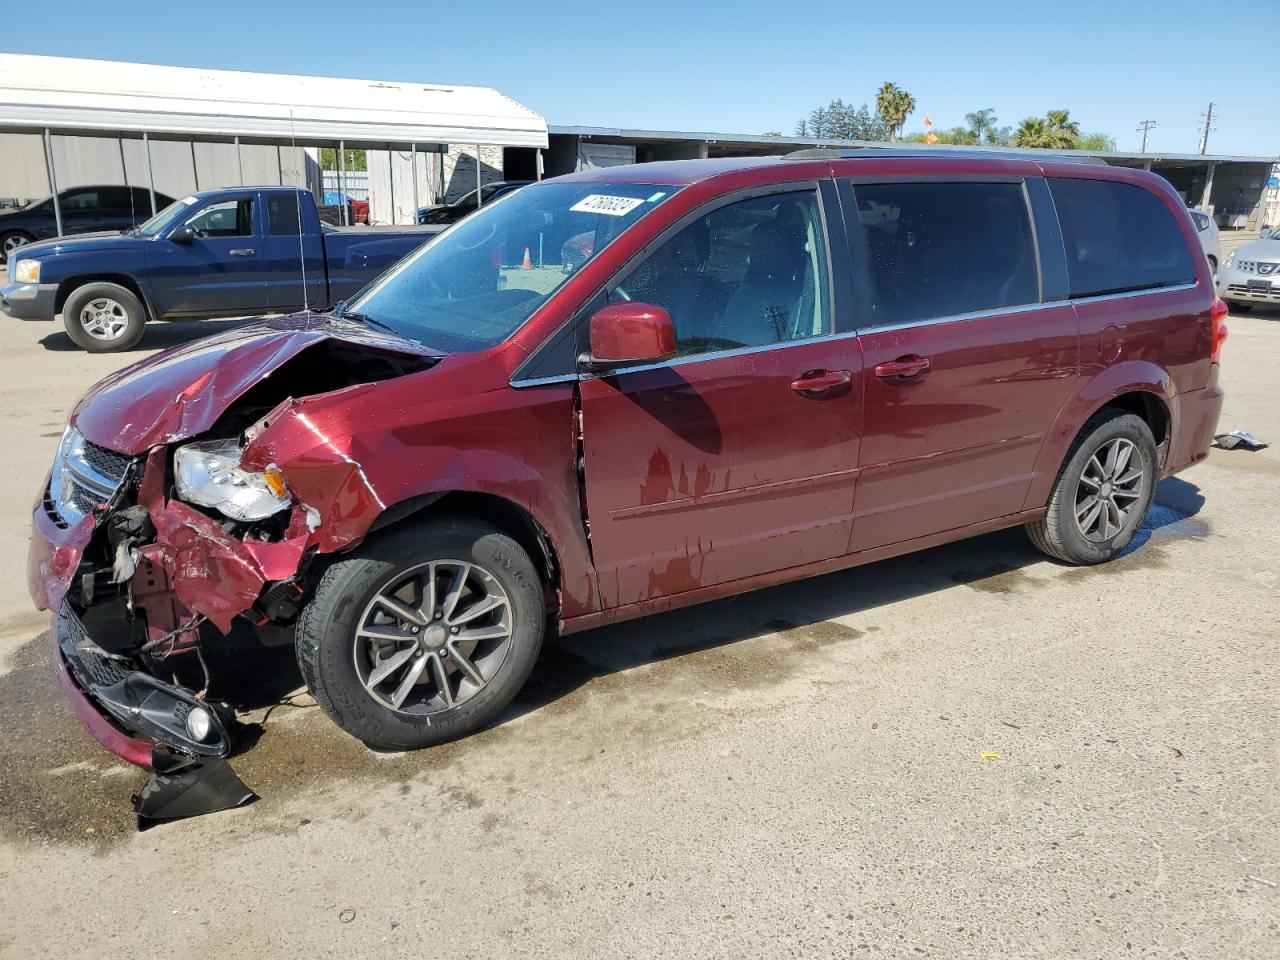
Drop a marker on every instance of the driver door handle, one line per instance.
(241, 252)
(817, 384)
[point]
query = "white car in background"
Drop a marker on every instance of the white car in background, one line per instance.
(1207, 231)
(1252, 274)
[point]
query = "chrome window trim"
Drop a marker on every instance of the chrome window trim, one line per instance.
(904, 325)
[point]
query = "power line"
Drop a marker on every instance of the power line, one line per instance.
(1145, 127)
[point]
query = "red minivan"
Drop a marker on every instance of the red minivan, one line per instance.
(758, 370)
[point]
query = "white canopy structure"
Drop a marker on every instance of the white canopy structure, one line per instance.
(69, 94)
(60, 95)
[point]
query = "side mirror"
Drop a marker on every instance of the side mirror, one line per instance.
(183, 234)
(627, 333)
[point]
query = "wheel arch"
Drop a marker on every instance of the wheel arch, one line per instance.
(71, 284)
(508, 516)
(1136, 387)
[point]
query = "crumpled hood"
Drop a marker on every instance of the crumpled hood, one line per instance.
(181, 392)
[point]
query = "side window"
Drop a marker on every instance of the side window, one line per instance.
(946, 248)
(1119, 237)
(282, 215)
(116, 198)
(747, 274)
(81, 200)
(231, 218)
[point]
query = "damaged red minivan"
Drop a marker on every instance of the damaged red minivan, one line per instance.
(763, 369)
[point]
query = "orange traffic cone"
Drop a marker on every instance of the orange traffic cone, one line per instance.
(527, 264)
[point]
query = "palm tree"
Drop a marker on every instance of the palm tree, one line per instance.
(982, 123)
(1064, 132)
(1032, 132)
(893, 104)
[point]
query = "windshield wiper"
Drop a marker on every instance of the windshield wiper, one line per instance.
(368, 321)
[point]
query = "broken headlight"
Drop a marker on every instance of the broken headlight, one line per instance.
(209, 474)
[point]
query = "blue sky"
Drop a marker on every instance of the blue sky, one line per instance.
(743, 67)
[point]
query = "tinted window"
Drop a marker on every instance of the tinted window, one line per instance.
(116, 198)
(940, 249)
(1118, 237)
(231, 218)
(80, 200)
(746, 274)
(282, 215)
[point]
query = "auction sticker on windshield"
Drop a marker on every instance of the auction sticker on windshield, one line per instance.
(610, 206)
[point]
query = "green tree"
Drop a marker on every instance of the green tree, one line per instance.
(893, 106)
(354, 159)
(841, 121)
(1097, 143)
(1054, 131)
(982, 124)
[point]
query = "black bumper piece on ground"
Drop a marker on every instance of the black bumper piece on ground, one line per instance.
(181, 787)
(137, 702)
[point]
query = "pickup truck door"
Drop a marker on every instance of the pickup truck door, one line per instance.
(738, 457)
(218, 272)
(293, 253)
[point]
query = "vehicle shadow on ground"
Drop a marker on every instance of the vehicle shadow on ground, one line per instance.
(989, 563)
(157, 336)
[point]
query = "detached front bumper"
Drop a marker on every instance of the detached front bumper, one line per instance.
(125, 710)
(30, 301)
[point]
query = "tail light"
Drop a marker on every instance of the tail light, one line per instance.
(1219, 317)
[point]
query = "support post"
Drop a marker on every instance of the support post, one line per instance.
(239, 161)
(413, 158)
(195, 167)
(479, 200)
(151, 174)
(53, 179)
(342, 180)
(539, 175)
(391, 177)
(1208, 185)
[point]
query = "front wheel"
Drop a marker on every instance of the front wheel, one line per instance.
(1102, 492)
(104, 317)
(424, 634)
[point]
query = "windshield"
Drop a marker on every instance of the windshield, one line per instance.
(477, 282)
(168, 215)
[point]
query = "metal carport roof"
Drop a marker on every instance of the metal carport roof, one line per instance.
(86, 95)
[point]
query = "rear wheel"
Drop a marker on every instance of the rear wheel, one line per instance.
(104, 317)
(423, 635)
(1102, 492)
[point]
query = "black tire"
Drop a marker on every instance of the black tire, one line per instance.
(8, 239)
(1239, 306)
(120, 302)
(328, 648)
(1059, 534)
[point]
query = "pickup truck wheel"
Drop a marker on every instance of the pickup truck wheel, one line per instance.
(424, 634)
(11, 243)
(1102, 492)
(104, 317)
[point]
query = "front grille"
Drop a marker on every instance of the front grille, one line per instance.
(89, 666)
(85, 477)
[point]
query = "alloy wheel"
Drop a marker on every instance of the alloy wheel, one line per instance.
(1110, 485)
(12, 244)
(103, 318)
(433, 637)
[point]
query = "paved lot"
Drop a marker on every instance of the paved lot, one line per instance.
(794, 773)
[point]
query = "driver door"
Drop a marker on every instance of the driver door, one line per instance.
(737, 457)
(218, 272)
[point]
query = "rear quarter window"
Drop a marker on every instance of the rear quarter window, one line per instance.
(1118, 237)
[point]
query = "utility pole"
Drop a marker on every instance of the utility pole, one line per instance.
(1145, 126)
(1208, 121)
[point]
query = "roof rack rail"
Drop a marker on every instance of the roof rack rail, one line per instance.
(857, 153)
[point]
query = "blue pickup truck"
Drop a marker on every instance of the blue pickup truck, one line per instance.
(218, 253)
